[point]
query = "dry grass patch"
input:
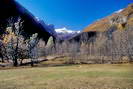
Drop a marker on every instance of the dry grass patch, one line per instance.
(98, 76)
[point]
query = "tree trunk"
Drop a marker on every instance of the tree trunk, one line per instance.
(32, 63)
(2, 59)
(15, 63)
(21, 62)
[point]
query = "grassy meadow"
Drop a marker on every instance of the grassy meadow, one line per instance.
(93, 76)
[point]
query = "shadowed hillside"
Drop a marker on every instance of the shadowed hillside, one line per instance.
(11, 9)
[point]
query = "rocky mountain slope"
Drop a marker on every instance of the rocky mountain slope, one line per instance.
(121, 19)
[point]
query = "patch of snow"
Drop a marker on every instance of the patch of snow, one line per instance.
(119, 11)
(37, 18)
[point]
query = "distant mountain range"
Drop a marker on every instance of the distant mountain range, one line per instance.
(67, 31)
(48, 27)
(64, 33)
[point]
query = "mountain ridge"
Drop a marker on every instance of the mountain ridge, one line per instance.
(12, 9)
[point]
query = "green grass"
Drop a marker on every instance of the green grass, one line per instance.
(96, 76)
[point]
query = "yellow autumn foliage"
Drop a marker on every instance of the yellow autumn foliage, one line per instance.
(8, 36)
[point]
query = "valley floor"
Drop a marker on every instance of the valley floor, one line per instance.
(93, 76)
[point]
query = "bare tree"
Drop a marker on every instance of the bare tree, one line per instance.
(41, 48)
(32, 48)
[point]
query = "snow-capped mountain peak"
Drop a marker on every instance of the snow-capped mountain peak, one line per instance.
(64, 33)
(65, 30)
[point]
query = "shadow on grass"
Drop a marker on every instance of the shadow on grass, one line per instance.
(38, 64)
(56, 65)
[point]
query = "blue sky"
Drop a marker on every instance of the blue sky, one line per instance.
(73, 14)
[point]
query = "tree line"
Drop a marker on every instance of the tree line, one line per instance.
(112, 46)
